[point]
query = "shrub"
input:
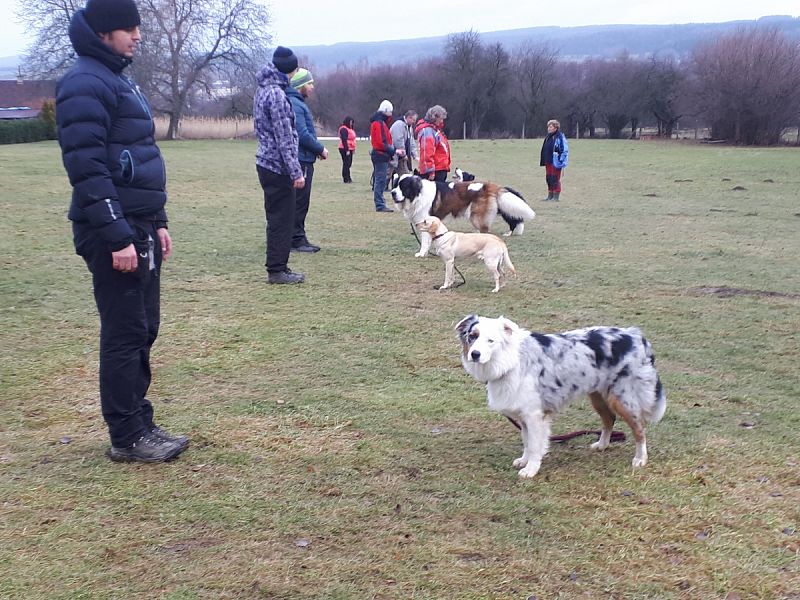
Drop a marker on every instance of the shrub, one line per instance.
(26, 130)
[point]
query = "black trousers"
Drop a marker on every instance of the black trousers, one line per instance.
(347, 162)
(129, 306)
(440, 176)
(279, 207)
(301, 206)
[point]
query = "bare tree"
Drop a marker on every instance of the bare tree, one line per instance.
(50, 53)
(185, 44)
(534, 67)
(617, 91)
(666, 93)
(477, 74)
(188, 40)
(748, 84)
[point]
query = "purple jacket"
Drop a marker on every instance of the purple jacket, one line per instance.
(273, 119)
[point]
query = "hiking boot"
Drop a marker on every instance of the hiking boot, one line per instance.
(384, 209)
(555, 196)
(181, 440)
(148, 449)
(549, 197)
(305, 247)
(285, 277)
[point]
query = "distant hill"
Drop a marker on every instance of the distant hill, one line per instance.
(571, 42)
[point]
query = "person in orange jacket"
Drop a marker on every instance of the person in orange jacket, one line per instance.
(434, 147)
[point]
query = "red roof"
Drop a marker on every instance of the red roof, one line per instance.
(26, 93)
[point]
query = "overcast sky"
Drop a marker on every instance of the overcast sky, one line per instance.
(311, 22)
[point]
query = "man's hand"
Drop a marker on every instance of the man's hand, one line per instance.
(324, 155)
(166, 243)
(432, 175)
(125, 260)
(400, 152)
(299, 183)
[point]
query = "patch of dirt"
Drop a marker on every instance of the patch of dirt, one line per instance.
(731, 292)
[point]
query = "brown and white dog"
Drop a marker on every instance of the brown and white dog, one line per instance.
(450, 245)
(478, 201)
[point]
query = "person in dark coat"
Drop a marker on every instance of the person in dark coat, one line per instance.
(554, 159)
(119, 223)
(300, 87)
(277, 163)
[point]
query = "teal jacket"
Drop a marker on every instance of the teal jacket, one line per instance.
(309, 146)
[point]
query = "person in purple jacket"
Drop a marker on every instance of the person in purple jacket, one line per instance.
(277, 162)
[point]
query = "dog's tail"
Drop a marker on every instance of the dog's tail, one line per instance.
(505, 261)
(514, 210)
(660, 406)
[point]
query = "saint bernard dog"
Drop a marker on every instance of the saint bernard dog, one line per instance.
(478, 201)
(532, 376)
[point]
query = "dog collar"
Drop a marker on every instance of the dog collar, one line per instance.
(436, 237)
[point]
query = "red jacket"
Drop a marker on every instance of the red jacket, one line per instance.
(382, 146)
(434, 148)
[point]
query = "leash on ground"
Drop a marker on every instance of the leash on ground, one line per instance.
(460, 274)
(616, 436)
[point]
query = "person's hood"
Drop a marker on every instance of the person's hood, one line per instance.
(87, 43)
(379, 116)
(290, 91)
(270, 76)
(422, 124)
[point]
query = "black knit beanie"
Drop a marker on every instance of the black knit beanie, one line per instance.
(105, 16)
(284, 60)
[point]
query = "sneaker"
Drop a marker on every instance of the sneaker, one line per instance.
(285, 277)
(148, 449)
(306, 247)
(181, 440)
(384, 209)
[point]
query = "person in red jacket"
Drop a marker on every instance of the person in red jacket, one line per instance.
(434, 148)
(347, 147)
(382, 152)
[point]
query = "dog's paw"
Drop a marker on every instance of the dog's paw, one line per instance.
(639, 461)
(519, 462)
(599, 446)
(508, 234)
(421, 254)
(530, 470)
(495, 290)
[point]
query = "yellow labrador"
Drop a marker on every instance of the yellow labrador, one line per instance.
(450, 245)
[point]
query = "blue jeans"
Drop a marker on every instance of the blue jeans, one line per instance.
(379, 170)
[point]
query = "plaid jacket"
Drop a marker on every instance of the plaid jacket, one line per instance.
(273, 120)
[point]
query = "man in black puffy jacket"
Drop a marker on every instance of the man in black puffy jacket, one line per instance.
(119, 224)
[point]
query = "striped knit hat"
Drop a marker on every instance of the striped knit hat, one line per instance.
(301, 78)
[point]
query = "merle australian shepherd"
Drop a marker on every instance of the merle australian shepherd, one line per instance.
(478, 201)
(530, 377)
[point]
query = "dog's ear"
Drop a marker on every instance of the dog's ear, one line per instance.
(465, 325)
(509, 327)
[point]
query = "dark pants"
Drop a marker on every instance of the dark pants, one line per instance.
(279, 207)
(347, 162)
(379, 170)
(129, 308)
(303, 200)
(553, 178)
(440, 176)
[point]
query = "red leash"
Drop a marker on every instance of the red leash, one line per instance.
(616, 436)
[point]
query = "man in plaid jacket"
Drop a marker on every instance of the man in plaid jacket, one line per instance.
(277, 161)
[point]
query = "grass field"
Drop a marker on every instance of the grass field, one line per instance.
(339, 450)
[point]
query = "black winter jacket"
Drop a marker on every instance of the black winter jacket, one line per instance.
(107, 139)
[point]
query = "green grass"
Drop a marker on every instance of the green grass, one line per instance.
(337, 412)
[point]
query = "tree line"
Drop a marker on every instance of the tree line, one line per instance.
(744, 86)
